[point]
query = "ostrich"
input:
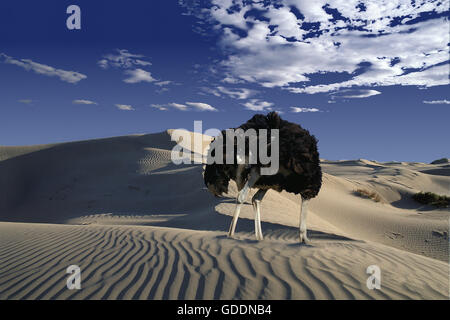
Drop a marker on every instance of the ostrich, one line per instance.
(299, 170)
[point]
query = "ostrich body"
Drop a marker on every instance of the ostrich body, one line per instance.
(299, 170)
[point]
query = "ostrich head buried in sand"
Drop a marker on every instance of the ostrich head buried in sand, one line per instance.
(298, 169)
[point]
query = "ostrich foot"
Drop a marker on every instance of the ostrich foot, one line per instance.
(304, 238)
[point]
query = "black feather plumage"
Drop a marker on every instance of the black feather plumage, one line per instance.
(299, 167)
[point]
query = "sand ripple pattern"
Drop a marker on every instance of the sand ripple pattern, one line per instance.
(120, 262)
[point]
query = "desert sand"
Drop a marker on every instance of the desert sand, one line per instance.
(140, 227)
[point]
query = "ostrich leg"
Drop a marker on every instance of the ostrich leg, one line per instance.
(242, 195)
(303, 214)
(256, 201)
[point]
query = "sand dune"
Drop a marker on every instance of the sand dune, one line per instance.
(141, 227)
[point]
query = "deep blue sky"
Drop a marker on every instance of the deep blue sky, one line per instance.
(394, 124)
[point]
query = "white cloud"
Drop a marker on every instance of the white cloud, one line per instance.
(236, 93)
(231, 80)
(313, 10)
(201, 106)
(162, 90)
(354, 94)
(25, 101)
(220, 13)
(188, 106)
(437, 102)
(82, 101)
(163, 83)
(212, 91)
(178, 106)
(258, 105)
(138, 75)
(123, 59)
(103, 63)
(159, 107)
(297, 109)
(133, 65)
(434, 76)
(39, 68)
(124, 107)
(285, 50)
(286, 22)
